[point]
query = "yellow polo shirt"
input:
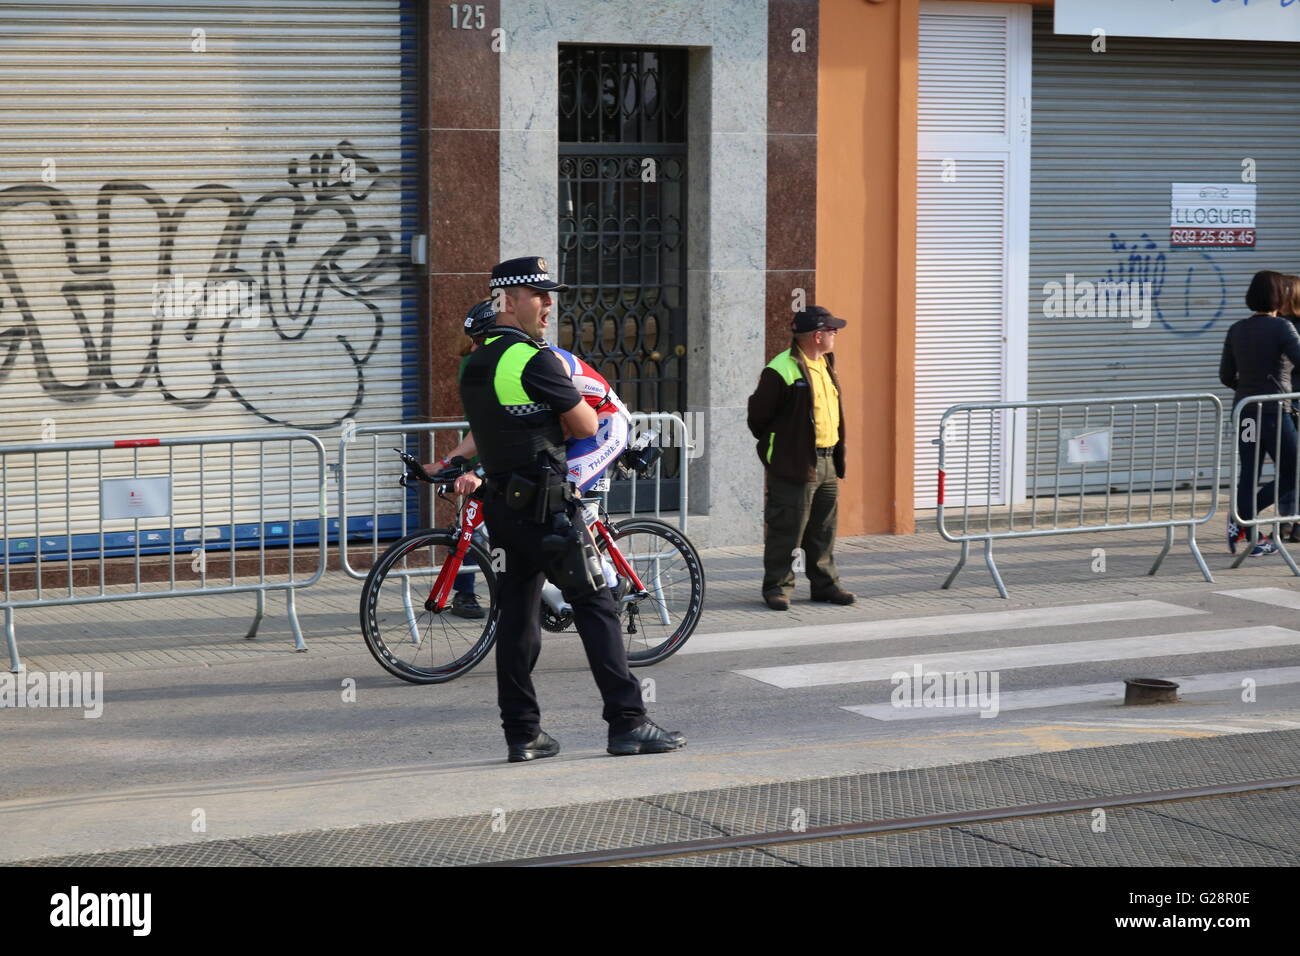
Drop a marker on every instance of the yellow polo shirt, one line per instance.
(826, 402)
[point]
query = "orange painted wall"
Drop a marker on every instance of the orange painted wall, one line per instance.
(863, 246)
(866, 245)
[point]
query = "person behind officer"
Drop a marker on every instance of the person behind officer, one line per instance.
(464, 602)
(798, 418)
(521, 403)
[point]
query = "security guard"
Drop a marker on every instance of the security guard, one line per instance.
(521, 405)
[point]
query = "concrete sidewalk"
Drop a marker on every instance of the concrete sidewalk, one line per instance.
(890, 575)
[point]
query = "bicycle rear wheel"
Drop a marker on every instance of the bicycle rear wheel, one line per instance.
(656, 624)
(410, 640)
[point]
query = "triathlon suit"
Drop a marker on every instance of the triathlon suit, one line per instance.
(589, 457)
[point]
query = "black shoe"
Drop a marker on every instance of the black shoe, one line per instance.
(837, 596)
(777, 602)
(649, 738)
(465, 604)
(543, 745)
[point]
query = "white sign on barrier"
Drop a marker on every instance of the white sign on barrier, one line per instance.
(135, 498)
(1088, 447)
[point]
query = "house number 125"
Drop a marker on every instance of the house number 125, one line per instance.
(468, 18)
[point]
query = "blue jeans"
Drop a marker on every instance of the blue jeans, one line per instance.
(1251, 501)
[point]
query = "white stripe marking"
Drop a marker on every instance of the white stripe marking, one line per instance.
(1279, 597)
(1031, 655)
(933, 626)
(1112, 692)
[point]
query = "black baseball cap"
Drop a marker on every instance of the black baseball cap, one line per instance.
(530, 271)
(480, 317)
(814, 318)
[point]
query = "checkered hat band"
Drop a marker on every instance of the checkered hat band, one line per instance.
(519, 280)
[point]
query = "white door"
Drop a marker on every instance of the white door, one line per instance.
(972, 233)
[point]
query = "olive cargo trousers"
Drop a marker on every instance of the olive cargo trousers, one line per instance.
(801, 515)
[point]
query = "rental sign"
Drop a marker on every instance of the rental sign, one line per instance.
(1212, 214)
(1275, 20)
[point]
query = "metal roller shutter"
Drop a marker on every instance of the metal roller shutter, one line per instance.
(971, 211)
(1112, 131)
(263, 155)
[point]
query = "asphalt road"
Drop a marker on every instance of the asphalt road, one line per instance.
(273, 746)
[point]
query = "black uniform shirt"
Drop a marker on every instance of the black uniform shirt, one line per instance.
(514, 391)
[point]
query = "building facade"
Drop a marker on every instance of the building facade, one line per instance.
(217, 218)
(1038, 201)
(223, 217)
(662, 157)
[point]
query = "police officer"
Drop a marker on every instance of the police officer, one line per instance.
(521, 405)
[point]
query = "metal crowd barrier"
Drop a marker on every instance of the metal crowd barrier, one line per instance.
(140, 498)
(1130, 454)
(389, 511)
(1269, 442)
(385, 511)
(670, 432)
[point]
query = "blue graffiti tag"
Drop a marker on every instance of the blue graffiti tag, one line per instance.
(1141, 262)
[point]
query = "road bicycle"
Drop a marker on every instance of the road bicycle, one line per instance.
(409, 622)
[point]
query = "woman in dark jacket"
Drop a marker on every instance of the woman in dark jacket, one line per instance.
(1255, 352)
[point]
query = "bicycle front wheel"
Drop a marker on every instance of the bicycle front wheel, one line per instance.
(656, 623)
(409, 638)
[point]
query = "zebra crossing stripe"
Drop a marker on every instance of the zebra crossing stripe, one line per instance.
(1111, 692)
(1030, 655)
(1278, 597)
(944, 624)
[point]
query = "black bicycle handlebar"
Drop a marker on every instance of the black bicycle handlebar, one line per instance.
(415, 472)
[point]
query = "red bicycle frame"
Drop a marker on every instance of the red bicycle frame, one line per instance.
(620, 563)
(470, 520)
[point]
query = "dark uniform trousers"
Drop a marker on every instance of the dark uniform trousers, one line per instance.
(801, 514)
(519, 632)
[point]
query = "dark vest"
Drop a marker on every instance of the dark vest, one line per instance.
(510, 428)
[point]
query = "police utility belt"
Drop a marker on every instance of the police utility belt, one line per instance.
(567, 544)
(544, 493)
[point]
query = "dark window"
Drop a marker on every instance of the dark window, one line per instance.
(622, 208)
